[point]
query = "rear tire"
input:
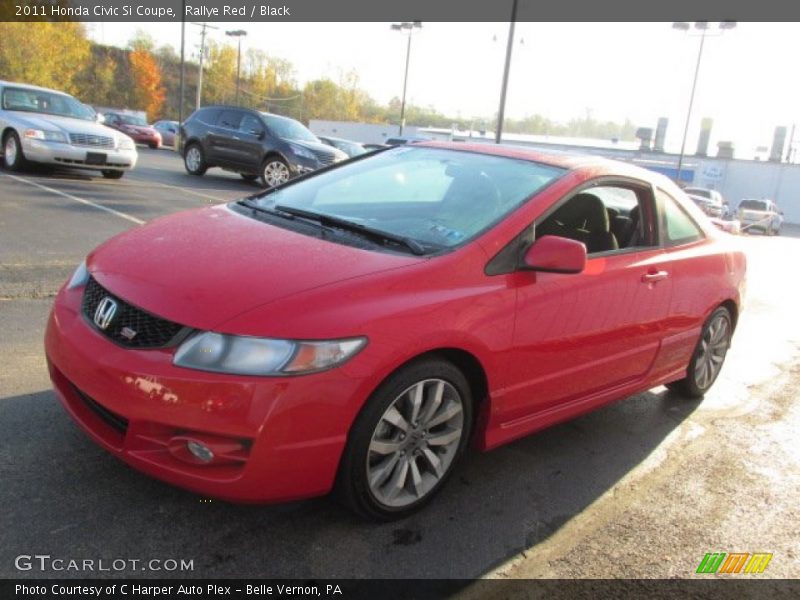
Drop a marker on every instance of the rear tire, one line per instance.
(406, 441)
(708, 357)
(248, 176)
(112, 174)
(13, 156)
(194, 160)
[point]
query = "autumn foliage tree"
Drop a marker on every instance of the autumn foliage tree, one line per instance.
(148, 93)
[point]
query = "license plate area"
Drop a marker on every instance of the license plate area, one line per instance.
(95, 158)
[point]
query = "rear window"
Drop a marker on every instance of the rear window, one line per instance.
(698, 192)
(754, 205)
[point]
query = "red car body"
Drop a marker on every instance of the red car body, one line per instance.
(141, 134)
(542, 347)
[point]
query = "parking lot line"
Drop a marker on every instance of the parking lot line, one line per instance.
(117, 213)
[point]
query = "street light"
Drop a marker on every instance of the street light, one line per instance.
(703, 27)
(501, 111)
(238, 33)
(407, 26)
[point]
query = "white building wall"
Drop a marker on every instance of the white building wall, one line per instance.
(366, 133)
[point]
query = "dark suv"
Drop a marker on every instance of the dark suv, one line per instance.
(257, 145)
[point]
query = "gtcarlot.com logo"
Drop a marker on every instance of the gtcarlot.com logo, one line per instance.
(734, 562)
(45, 562)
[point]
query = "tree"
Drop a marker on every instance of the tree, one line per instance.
(219, 83)
(43, 54)
(147, 92)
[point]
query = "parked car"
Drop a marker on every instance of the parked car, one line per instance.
(710, 202)
(254, 144)
(357, 328)
(732, 226)
(762, 215)
(373, 147)
(403, 140)
(348, 147)
(44, 126)
(168, 131)
(135, 127)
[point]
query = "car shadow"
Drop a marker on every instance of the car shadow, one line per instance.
(64, 496)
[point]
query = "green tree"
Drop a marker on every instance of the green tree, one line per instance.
(43, 54)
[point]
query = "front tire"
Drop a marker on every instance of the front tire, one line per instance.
(13, 156)
(406, 441)
(708, 357)
(274, 172)
(194, 160)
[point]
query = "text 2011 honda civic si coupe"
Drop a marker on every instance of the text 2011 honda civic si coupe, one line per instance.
(355, 329)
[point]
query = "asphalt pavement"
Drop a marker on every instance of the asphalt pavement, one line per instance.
(586, 498)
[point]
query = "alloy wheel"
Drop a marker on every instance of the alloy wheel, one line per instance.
(193, 159)
(11, 151)
(275, 173)
(415, 442)
(711, 354)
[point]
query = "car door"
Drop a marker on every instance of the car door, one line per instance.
(249, 142)
(579, 335)
(221, 137)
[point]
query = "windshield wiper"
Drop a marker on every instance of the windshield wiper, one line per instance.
(248, 202)
(364, 230)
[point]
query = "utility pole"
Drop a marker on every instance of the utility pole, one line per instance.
(408, 26)
(183, 63)
(203, 27)
(501, 112)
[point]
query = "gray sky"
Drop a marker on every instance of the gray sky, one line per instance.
(639, 71)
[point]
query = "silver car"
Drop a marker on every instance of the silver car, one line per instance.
(45, 126)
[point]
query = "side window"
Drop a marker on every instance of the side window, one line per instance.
(605, 218)
(250, 125)
(229, 119)
(679, 227)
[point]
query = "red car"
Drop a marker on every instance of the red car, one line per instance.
(134, 127)
(355, 329)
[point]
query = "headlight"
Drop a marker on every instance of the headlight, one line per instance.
(263, 356)
(304, 152)
(47, 136)
(126, 143)
(80, 277)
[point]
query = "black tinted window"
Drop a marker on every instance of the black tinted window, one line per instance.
(250, 124)
(205, 115)
(229, 119)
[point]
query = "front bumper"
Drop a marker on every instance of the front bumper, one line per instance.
(144, 138)
(56, 153)
(290, 431)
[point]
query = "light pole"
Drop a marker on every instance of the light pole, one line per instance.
(501, 111)
(407, 26)
(703, 27)
(238, 33)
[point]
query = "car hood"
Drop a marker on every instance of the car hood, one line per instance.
(319, 148)
(204, 267)
(55, 123)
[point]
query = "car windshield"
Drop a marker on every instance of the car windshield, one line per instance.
(132, 120)
(433, 196)
(288, 129)
(698, 192)
(753, 204)
(48, 103)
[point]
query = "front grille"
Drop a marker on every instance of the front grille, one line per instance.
(114, 420)
(325, 158)
(131, 326)
(92, 141)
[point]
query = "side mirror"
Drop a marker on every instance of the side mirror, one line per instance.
(554, 254)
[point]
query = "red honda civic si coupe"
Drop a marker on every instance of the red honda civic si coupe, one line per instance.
(354, 329)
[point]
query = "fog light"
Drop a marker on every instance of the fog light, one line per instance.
(200, 451)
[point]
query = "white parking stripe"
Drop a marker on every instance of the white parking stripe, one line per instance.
(117, 213)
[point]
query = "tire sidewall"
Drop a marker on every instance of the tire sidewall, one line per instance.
(17, 165)
(352, 481)
(202, 167)
(272, 159)
(691, 382)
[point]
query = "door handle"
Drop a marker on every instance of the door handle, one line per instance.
(654, 276)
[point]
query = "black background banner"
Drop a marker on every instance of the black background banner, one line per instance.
(398, 10)
(713, 586)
